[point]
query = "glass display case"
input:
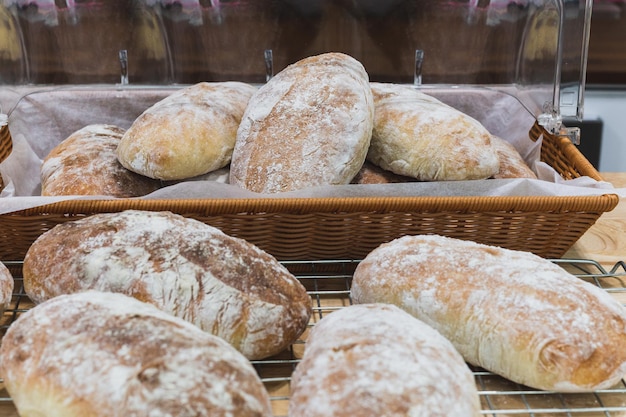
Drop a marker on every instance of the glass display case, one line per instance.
(534, 50)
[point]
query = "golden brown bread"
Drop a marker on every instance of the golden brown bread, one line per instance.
(511, 312)
(376, 360)
(189, 133)
(224, 285)
(102, 354)
(372, 174)
(418, 136)
(309, 125)
(85, 163)
(6, 287)
(512, 165)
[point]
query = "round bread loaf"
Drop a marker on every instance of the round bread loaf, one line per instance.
(224, 285)
(511, 312)
(376, 360)
(6, 287)
(309, 125)
(418, 136)
(512, 165)
(189, 133)
(85, 163)
(103, 354)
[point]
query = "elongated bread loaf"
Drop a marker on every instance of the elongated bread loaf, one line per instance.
(103, 354)
(418, 136)
(376, 360)
(189, 133)
(511, 312)
(512, 165)
(309, 125)
(6, 287)
(224, 285)
(373, 174)
(85, 163)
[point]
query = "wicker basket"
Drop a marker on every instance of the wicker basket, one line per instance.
(349, 228)
(6, 144)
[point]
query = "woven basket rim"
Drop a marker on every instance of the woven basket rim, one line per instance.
(603, 202)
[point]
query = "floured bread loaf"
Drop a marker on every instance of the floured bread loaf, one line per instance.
(85, 163)
(512, 165)
(6, 287)
(103, 354)
(511, 312)
(372, 174)
(224, 285)
(309, 125)
(189, 133)
(418, 136)
(376, 360)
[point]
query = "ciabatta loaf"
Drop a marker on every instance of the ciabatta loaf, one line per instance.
(189, 133)
(6, 287)
(511, 312)
(373, 174)
(103, 354)
(309, 125)
(85, 163)
(418, 136)
(224, 285)
(512, 165)
(376, 360)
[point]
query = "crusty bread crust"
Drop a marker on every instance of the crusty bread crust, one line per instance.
(512, 165)
(309, 125)
(6, 287)
(85, 163)
(372, 174)
(189, 133)
(511, 312)
(103, 354)
(418, 136)
(376, 360)
(223, 284)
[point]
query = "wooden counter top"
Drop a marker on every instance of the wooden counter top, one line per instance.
(605, 241)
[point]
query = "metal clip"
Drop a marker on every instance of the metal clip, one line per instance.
(573, 133)
(419, 60)
(269, 64)
(123, 56)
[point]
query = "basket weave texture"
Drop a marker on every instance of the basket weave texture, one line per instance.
(349, 228)
(6, 144)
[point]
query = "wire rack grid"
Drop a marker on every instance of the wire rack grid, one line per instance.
(328, 284)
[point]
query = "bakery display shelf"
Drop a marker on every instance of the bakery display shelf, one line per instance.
(328, 283)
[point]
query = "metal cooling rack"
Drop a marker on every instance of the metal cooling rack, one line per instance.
(328, 283)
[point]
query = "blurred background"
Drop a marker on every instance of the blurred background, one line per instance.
(58, 42)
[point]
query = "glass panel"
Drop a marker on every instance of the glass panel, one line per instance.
(526, 48)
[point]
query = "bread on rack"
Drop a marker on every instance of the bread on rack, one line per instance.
(189, 133)
(510, 312)
(6, 287)
(512, 165)
(104, 354)
(377, 360)
(418, 136)
(309, 125)
(225, 285)
(85, 163)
